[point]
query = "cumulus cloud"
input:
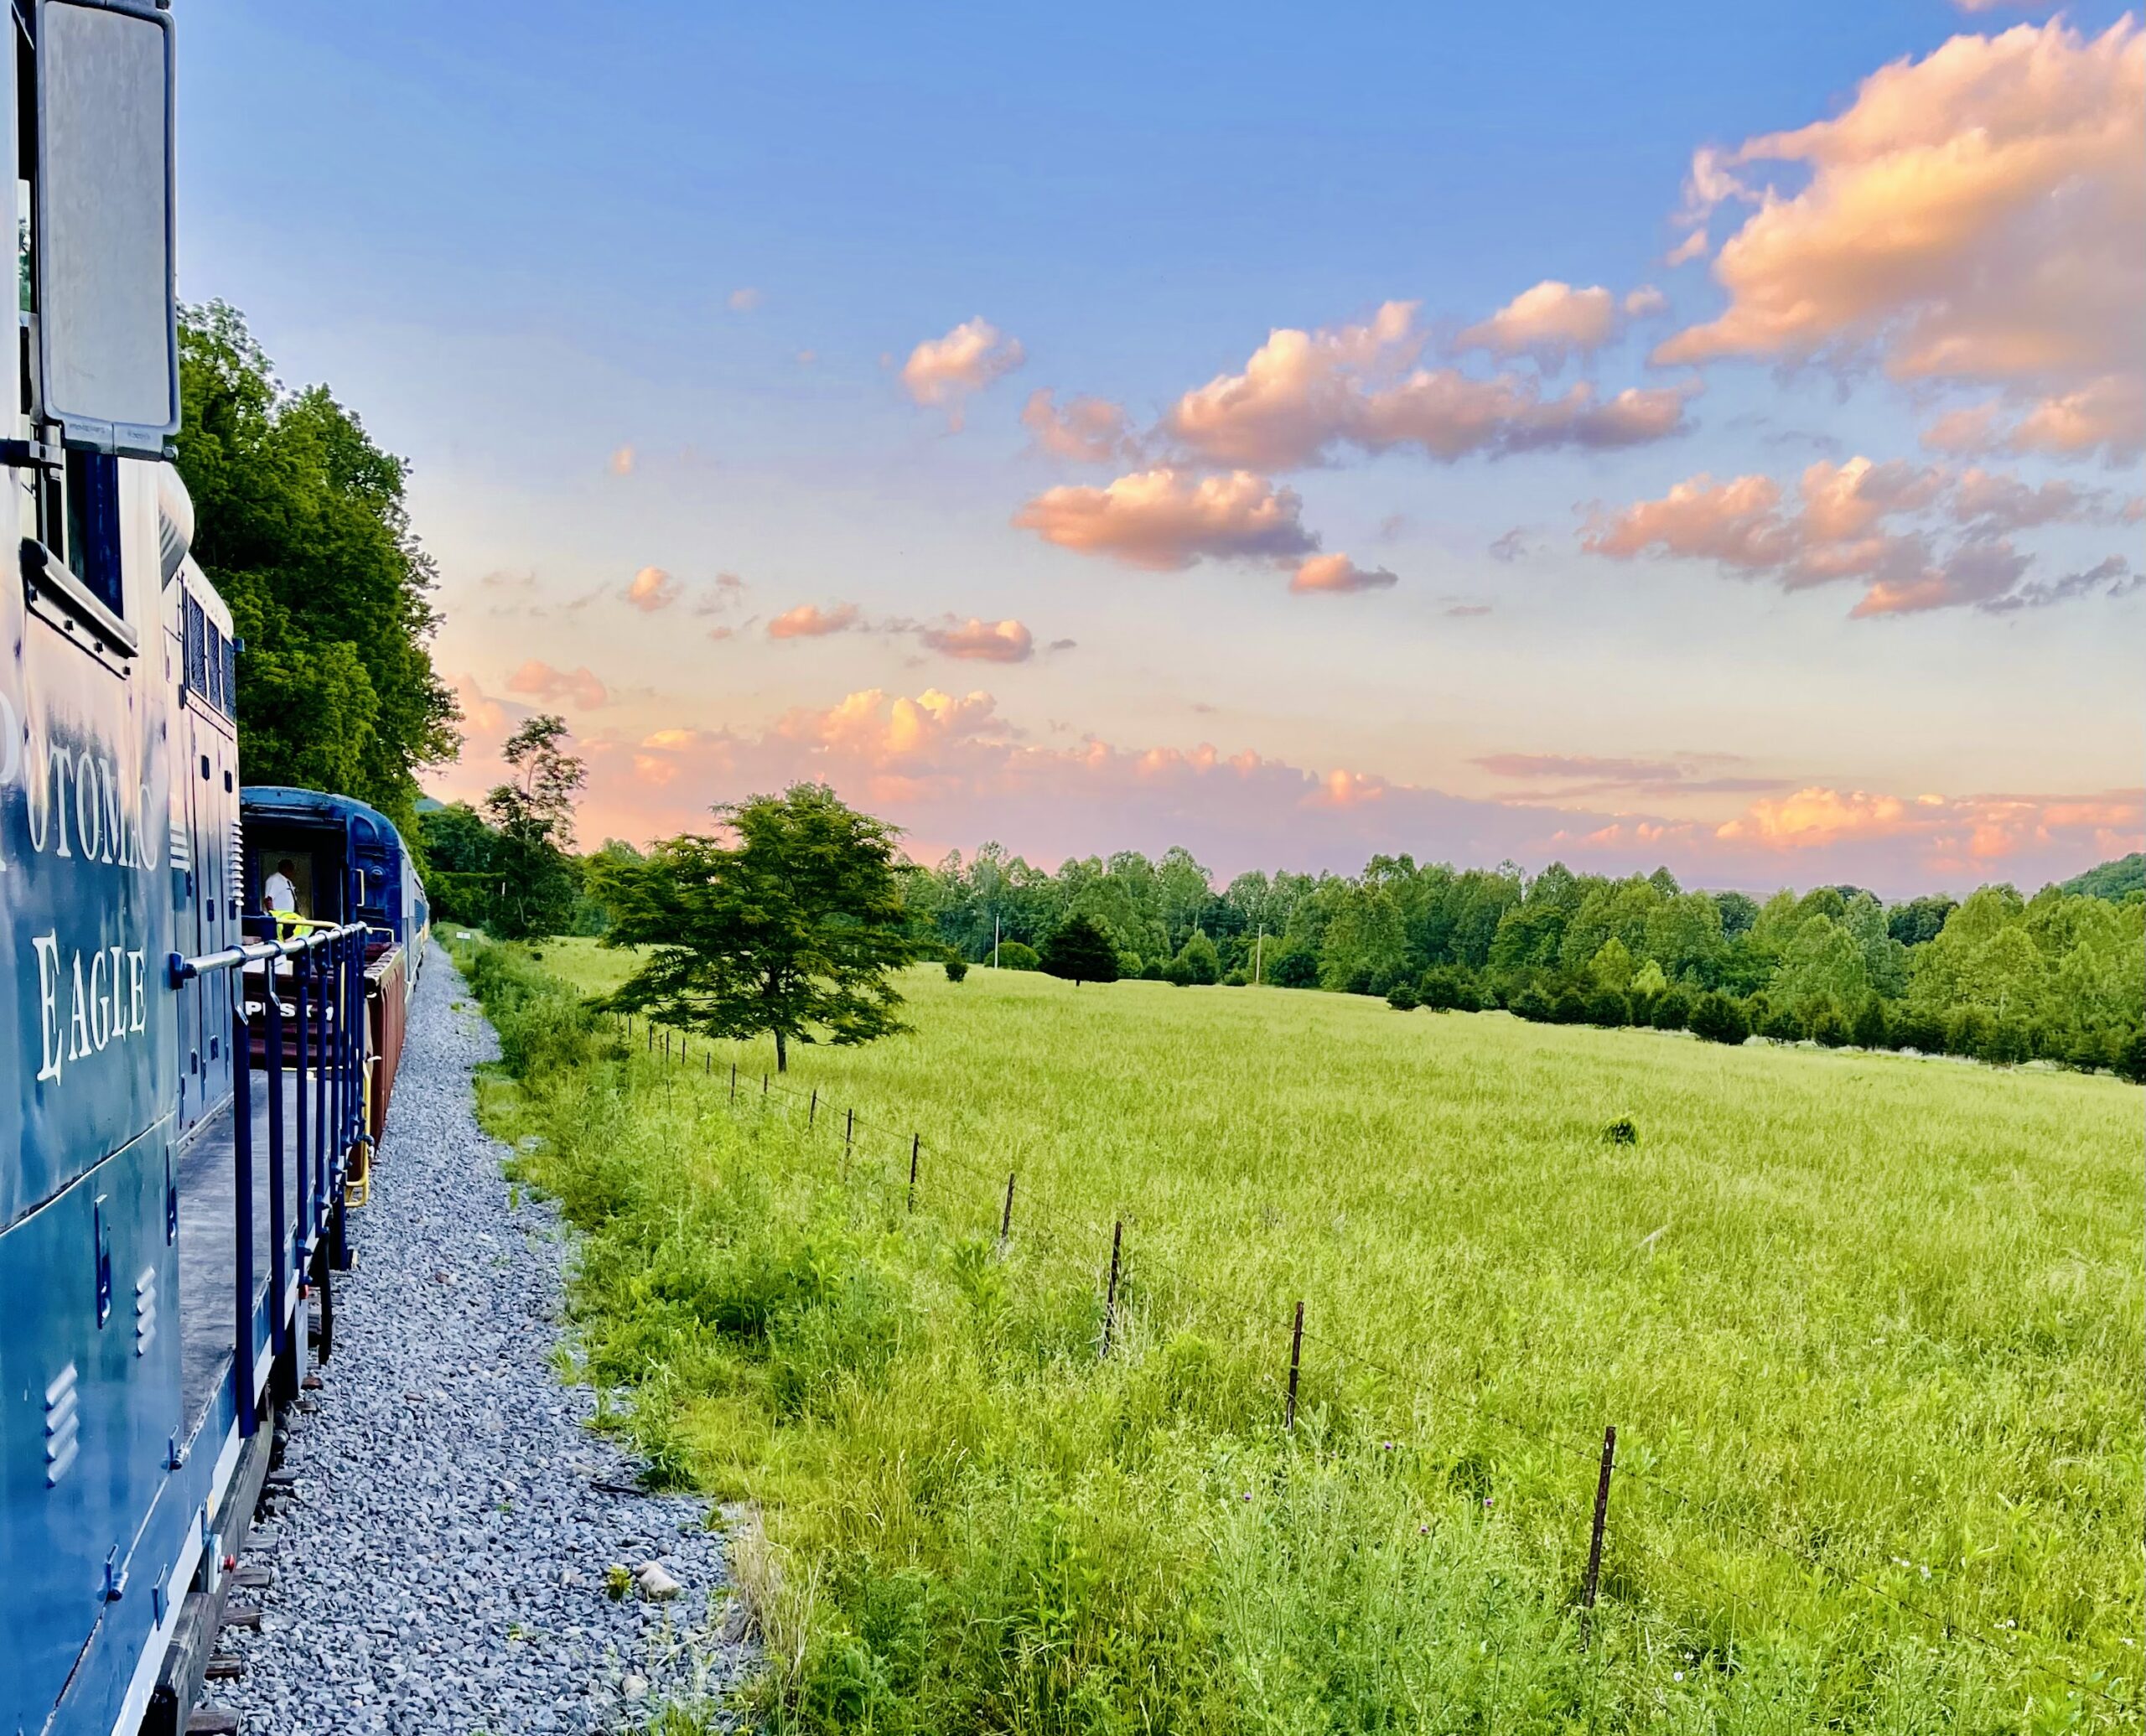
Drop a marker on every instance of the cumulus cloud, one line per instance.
(558, 687)
(622, 461)
(1843, 525)
(807, 621)
(1089, 431)
(1338, 572)
(2109, 577)
(1978, 215)
(651, 589)
(743, 301)
(1554, 321)
(1303, 394)
(981, 641)
(944, 371)
(1165, 519)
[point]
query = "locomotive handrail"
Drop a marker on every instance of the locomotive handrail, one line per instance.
(257, 952)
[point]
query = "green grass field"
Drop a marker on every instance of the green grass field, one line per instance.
(1870, 1329)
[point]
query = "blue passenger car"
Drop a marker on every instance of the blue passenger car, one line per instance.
(322, 843)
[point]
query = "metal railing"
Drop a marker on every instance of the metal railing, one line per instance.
(326, 1029)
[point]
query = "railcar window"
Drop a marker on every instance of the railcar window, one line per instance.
(92, 542)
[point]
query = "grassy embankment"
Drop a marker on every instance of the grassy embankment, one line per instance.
(1869, 1328)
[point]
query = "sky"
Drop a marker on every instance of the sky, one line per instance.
(1653, 434)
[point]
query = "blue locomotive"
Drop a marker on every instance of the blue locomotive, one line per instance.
(190, 1083)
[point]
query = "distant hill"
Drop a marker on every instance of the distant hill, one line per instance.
(2113, 880)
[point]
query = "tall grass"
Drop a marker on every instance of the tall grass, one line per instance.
(1869, 1328)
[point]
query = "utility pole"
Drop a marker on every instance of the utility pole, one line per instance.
(1258, 953)
(994, 941)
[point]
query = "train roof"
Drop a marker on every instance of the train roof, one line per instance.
(286, 801)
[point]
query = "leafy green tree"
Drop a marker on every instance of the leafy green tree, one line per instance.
(300, 522)
(533, 813)
(1198, 960)
(1016, 955)
(1612, 968)
(793, 929)
(1079, 952)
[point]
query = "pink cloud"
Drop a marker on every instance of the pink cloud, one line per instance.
(622, 461)
(1088, 431)
(1843, 525)
(651, 589)
(1304, 394)
(1338, 572)
(806, 621)
(555, 686)
(1554, 321)
(953, 771)
(1978, 215)
(945, 371)
(1165, 521)
(981, 641)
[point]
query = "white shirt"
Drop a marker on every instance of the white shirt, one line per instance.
(280, 893)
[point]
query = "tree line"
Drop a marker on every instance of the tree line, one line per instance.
(1997, 977)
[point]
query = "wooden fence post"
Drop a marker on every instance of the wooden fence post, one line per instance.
(1594, 1543)
(1296, 1362)
(1006, 1222)
(916, 1147)
(813, 1109)
(1110, 1296)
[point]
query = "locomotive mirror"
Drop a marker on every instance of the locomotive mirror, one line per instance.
(108, 340)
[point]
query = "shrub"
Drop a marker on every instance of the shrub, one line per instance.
(1672, 1010)
(1531, 1004)
(1236, 979)
(1179, 972)
(1609, 1007)
(1402, 998)
(1969, 1031)
(1869, 1029)
(1567, 1007)
(1782, 1025)
(1450, 986)
(1294, 967)
(2129, 1060)
(1719, 1019)
(1829, 1030)
(1079, 952)
(1152, 971)
(1918, 1031)
(956, 968)
(1017, 955)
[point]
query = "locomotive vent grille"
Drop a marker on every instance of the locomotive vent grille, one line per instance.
(63, 1426)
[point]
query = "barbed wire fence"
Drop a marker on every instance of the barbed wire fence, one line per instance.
(1058, 1232)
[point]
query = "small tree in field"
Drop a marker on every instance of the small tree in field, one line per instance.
(1079, 952)
(791, 930)
(533, 815)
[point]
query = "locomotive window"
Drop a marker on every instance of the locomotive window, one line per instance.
(92, 546)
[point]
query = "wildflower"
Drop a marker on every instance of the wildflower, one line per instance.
(1901, 1560)
(1422, 1531)
(1677, 1676)
(1387, 1445)
(1247, 1495)
(1486, 1500)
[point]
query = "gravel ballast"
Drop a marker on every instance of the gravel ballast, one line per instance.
(440, 1558)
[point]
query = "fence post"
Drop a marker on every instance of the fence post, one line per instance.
(1006, 1221)
(652, 1039)
(733, 1081)
(1110, 1296)
(915, 1146)
(1296, 1363)
(813, 1109)
(1594, 1543)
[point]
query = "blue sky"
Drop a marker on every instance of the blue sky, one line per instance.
(526, 241)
